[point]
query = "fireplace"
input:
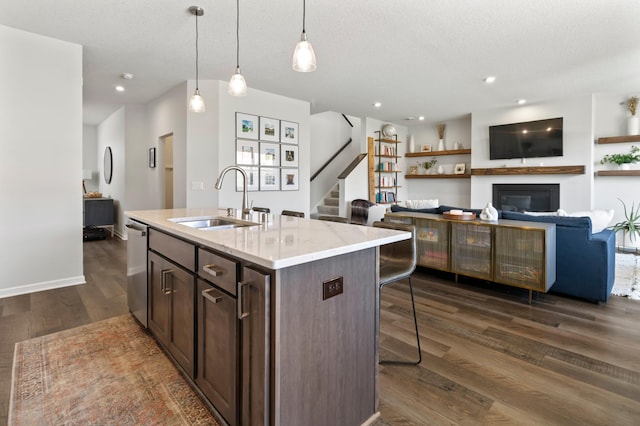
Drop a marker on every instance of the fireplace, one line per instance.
(527, 197)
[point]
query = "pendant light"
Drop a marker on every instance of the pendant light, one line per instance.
(237, 85)
(304, 59)
(196, 103)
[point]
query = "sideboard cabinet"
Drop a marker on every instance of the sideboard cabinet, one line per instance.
(511, 252)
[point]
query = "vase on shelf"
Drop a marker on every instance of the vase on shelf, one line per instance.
(412, 147)
(441, 146)
(633, 125)
(624, 166)
(440, 170)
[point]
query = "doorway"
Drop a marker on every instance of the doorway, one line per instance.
(167, 143)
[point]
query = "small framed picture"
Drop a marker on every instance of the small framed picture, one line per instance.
(289, 179)
(269, 154)
(152, 158)
(269, 179)
(425, 148)
(269, 129)
(288, 156)
(247, 152)
(459, 169)
(252, 179)
(413, 170)
(288, 132)
(246, 126)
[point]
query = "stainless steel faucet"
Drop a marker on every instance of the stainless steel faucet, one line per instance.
(246, 211)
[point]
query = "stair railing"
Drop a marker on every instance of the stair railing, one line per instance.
(324, 166)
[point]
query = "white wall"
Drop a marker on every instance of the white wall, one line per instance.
(575, 190)
(111, 133)
(90, 155)
(610, 119)
(140, 179)
(329, 132)
(268, 105)
(166, 115)
(453, 192)
(40, 163)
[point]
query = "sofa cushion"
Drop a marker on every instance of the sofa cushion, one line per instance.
(395, 208)
(571, 222)
(600, 219)
(558, 212)
(422, 204)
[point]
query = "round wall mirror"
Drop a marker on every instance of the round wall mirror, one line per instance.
(108, 164)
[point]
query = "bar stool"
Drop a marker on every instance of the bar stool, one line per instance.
(334, 219)
(292, 213)
(398, 261)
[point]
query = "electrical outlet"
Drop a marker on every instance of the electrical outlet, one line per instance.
(197, 186)
(332, 287)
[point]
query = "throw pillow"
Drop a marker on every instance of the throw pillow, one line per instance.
(558, 212)
(422, 204)
(600, 219)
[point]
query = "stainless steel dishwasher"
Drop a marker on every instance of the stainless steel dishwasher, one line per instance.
(137, 270)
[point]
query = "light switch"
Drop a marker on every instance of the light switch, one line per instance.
(197, 186)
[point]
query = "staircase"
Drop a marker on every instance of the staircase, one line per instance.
(330, 203)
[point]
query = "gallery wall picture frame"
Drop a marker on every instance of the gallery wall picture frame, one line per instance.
(459, 169)
(289, 155)
(288, 132)
(269, 129)
(269, 179)
(253, 179)
(247, 126)
(289, 179)
(247, 152)
(269, 154)
(152, 158)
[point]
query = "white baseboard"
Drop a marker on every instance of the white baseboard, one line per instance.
(45, 285)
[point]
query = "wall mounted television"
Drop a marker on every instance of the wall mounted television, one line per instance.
(531, 139)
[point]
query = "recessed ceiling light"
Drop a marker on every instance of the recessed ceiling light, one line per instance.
(489, 79)
(421, 118)
(521, 101)
(127, 76)
(119, 88)
(377, 104)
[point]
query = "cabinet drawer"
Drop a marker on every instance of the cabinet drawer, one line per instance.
(177, 250)
(218, 270)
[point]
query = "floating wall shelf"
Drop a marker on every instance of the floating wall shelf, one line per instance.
(543, 170)
(619, 139)
(619, 173)
(436, 153)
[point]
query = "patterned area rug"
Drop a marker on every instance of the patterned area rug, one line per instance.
(627, 281)
(109, 373)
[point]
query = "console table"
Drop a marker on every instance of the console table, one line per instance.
(98, 212)
(516, 253)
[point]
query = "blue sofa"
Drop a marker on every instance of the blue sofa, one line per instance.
(585, 262)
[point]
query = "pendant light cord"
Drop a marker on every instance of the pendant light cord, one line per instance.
(196, 50)
(238, 33)
(304, 15)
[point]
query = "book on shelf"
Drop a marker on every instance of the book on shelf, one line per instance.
(385, 197)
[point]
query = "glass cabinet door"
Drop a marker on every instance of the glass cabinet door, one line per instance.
(471, 250)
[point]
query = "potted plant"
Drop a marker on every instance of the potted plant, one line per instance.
(623, 160)
(630, 226)
(428, 164)
(633, 124)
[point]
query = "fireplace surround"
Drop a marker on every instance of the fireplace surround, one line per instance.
(526, 197)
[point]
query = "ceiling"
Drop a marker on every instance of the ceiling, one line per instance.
(417, 57)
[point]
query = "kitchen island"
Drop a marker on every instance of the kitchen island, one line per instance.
(276, 323)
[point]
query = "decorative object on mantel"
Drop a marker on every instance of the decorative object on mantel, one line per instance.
(633, 123)
(441, 128)
(630, 226)
(623, 160)
(489, 213)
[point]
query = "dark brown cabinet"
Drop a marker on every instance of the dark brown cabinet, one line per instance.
(171, 293)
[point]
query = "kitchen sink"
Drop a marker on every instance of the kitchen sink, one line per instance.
(211, 223)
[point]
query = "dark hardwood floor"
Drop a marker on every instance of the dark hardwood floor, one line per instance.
(488, 356)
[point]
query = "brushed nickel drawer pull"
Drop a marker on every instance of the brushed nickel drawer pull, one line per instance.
(212, 299)
(213, 270)
(163, 281)
(241, 314)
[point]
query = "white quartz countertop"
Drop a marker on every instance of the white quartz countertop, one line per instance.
(281, 242)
